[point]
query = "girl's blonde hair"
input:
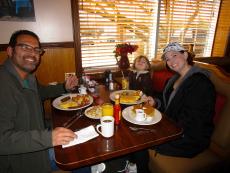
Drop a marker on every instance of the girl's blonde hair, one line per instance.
(142, 57)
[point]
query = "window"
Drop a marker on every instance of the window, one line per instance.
(150, 24)
(188, 22)
(105, 23)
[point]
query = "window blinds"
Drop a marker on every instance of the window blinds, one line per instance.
(188, 22)
(105, 23)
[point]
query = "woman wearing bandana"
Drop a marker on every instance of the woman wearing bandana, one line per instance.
(189, 100)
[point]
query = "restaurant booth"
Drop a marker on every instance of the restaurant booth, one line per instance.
(217, 157)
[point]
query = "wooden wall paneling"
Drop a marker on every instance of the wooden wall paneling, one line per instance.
(3, 56)
(54, 64)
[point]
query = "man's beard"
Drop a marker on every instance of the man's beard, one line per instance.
(28, 68)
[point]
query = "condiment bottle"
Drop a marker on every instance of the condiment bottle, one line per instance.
(106, 75)
(83, 79)
(117, 110)
(111, 86)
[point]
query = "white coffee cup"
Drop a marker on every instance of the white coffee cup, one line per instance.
(82, 90)
(140, 115)
(106, 128)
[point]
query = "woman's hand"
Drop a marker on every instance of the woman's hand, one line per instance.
(149, 100)
(71, 82)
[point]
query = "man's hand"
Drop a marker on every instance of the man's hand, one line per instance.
(62, 136)
(71, 82)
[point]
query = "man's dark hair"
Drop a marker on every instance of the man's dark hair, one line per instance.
(14, 36)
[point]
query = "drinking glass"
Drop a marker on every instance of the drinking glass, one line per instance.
(125, 83)
(107, 109)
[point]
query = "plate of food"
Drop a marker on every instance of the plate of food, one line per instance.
(153, 116)
(94, 112)
(128, 97)
(71, 102)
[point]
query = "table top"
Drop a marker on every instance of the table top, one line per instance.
(127, 138)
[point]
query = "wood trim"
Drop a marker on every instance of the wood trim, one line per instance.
(76, 36)
(227, 50)
(58, 45)
(46, 45)
(218, 20)
(3, 47)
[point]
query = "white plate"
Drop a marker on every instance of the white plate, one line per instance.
(97, 116)
(57, 102)
(112, 97)
(126, 114)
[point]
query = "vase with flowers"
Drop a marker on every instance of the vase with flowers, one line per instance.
(122, 50)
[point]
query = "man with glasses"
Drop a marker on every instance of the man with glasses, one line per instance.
(24, 141)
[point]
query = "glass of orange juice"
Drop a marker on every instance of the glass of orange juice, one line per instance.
(107, 109)
(125, 83)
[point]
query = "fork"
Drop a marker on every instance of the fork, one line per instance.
(141, 129)
(72, 120)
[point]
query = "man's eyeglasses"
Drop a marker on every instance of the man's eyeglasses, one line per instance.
(30, 49)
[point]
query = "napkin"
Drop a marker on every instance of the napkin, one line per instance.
(83, 135)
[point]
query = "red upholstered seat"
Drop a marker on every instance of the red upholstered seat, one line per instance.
(160, 78)
(220, 102)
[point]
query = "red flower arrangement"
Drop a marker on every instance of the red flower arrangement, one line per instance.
(124, 48)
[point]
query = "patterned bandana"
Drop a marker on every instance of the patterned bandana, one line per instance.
(174, 46)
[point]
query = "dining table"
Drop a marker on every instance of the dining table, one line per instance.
(127, 138)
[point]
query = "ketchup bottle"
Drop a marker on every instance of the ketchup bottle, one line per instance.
(117, 110)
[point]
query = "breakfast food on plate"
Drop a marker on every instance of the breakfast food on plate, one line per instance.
(149, 110)
(82, 99)
(94, 112)
(74, 101)
(130, 96)
(68, 105)
(65, 99)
